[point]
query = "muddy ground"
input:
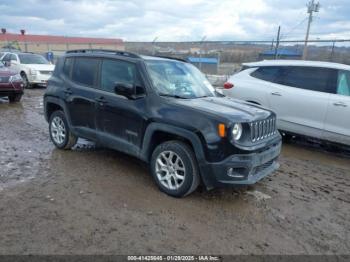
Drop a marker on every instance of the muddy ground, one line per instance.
(98, 201)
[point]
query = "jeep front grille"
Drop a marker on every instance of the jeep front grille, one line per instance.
(262, 129)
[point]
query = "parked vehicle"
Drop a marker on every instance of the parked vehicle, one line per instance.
(164, 112)
(310, 98)
(11, 84)
(34, 69)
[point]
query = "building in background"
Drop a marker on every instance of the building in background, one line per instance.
(56, 44)
(281, 54)
(208, 65)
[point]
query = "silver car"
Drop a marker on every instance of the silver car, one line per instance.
(310, 98)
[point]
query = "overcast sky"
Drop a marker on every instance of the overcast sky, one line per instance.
(177, 20)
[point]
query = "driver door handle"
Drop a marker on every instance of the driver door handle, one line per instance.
(340, 104)
(276, 94)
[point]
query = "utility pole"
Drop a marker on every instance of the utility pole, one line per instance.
(311, 7)
(332, 54)
(200, 52)
(153, 45)
(277, 42)
(272, 43)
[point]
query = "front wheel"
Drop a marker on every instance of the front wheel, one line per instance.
(174, 168)
(60, 133)
(15, 98)
(26, 83)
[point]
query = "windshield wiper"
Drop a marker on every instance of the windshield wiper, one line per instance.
(170, 95)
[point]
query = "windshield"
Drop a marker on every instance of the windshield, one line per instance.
(172, 78)
(32, 59)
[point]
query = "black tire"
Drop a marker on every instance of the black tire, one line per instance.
(191, 172)
(15, 98)
(69, 139)
(287, 138)
(25, 80)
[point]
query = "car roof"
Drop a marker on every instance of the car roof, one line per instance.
(117, 53)
(298, 63)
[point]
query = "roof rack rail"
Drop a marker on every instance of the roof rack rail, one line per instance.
(173, 58)
(116, 52)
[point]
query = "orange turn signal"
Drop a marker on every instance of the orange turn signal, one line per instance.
(222, 130)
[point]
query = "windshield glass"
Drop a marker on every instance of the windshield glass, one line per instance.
(178, 79)
(32, 59)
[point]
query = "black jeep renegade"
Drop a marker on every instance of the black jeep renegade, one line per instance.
(165, 112)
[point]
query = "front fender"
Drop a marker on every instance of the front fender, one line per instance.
(186, 134)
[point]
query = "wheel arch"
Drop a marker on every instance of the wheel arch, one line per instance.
(157, 133)
(52, 104)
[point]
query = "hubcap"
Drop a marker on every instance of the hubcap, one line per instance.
(170, 170)
(25, 80)
(58, 130)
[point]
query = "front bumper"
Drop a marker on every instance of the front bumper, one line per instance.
(7, 89)
(242, 169)
(39, 79)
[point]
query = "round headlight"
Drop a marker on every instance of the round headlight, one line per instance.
(237, 131)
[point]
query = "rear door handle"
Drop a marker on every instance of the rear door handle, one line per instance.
(276, 94)
(340, 104)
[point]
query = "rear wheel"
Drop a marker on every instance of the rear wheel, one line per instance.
(60, 133)
(15, 98)
(174, 168)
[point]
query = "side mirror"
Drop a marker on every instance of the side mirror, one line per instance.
(123, 89)
(7, 63)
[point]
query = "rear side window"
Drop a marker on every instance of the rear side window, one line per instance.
(268, 73)
(309, 78)
(85, 71)
(67, 67)
(343, 86)
(117, 71)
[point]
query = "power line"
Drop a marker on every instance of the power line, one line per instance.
(295, 27)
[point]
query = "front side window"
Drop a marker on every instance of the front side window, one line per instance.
(85, 71)
(343, 86)
(117, 71)
(32, 59)
(173, 78)
(13, 57)
(309, 78)
(7, 57)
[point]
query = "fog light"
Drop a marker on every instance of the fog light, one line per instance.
(235, 172)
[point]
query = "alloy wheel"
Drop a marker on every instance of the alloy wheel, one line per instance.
(58, 130)
(170, 170)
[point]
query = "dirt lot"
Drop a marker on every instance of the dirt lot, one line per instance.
(97, 201)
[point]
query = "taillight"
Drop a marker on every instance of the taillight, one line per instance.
(228, 85)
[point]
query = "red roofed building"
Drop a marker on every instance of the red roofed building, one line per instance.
(45, 43)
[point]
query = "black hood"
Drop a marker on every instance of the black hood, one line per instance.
(229, 108)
